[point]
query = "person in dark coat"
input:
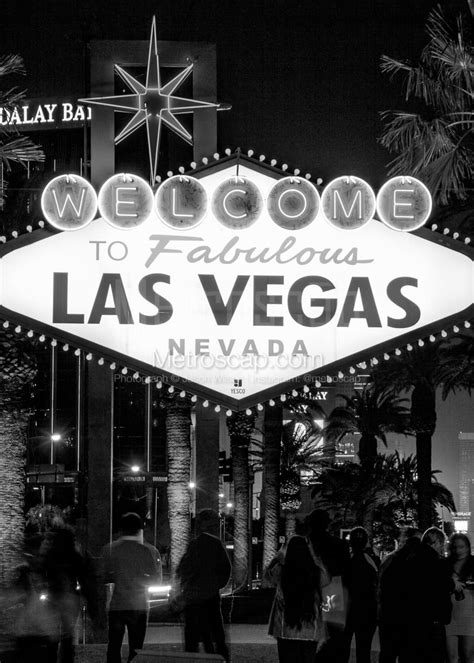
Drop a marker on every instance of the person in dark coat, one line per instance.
(203, 570)
(362, 604)
(390, 598)
(335, 556)
(418, 597)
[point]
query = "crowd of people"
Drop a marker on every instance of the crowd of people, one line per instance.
(328, 591)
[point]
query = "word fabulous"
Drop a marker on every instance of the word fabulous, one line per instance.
(126, 201)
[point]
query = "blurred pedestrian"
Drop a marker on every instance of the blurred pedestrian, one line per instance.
(64, 571)
(131, 566)
(460, 631)
(203, 571)
(362, 603)
(420, 593)
(334, 553)
(391, 595)
(296, 618)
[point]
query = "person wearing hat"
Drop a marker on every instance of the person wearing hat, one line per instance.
(131, 566)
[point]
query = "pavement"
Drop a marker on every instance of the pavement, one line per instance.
(249, 643)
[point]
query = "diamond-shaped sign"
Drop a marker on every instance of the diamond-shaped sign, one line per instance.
(236, 307)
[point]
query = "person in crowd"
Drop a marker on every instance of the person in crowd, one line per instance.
(460, 631)
(390, 597)
(296, 618)
(335, 557)
(65, 574)
(203, 571)
(362, 603)
(418, 595)
(132, 566)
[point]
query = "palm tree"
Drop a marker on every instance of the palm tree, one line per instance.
(14, 149)
(435, 140)
(17, 366)
(301, 451)
(371, 414)
(17, 371)
(387, 490)
(178, 431)
(272, 431)
(240, 426)
(422, 370)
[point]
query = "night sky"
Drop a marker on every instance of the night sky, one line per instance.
(303, 78)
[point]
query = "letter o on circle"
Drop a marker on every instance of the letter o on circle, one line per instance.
(293, 203)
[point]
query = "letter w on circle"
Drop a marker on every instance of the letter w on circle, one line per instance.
(70, 201)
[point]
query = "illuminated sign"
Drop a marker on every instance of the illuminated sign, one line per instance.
(235, 288)
(36, 115)
(125, 201)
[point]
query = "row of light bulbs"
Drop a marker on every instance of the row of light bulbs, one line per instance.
(261, 158)
(171, 389)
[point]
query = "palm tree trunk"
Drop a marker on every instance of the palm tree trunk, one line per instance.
(423, 420)
(290, 524)
(271, 481)
(13, 425)
(367, 449)
(179, 470)
(423, 464)
(240, 470)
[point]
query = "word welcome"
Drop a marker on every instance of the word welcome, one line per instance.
(69, 202)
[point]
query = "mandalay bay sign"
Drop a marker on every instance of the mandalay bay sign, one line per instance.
(237, 283)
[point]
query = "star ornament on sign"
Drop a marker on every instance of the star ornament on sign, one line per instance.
(153, 104)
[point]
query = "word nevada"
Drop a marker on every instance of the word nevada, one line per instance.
(125, 201)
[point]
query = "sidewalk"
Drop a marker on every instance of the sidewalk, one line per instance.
(249, 643)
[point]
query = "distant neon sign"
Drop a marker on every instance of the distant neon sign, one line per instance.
(125, 201)
(40, 115)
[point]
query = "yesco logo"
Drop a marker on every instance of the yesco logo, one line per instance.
(125, 201)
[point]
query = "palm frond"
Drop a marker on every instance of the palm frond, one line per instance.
(20, 150)
(11, 64)
(435, 144)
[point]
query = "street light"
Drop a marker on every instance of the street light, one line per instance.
(55, 437)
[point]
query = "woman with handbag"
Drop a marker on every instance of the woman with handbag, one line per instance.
(296, 619)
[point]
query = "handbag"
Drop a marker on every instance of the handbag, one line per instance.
(333, 604)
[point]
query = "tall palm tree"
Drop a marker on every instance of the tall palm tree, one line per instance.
(17, 371)
(272, 431)
(240, 426)
(178, 440)
(434, 138)
(422, 370)
(372, 414)
(17, 366)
